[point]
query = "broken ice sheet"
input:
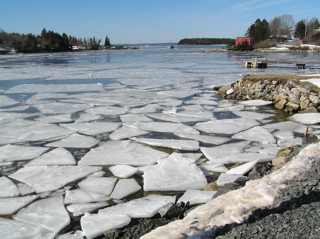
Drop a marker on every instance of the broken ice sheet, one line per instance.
(102, 185)
(175, 173)
(242, 169)
(78, 209)
(126, 131)
(252, 115)
(49, 213)
(55, 119)
(227, 178)
(243, 157)
(84, 117)
(92, 128)
(75, 141)
(50, 178)
(197, 196)
(174, 118)
(122, 152)
(256, 133)
(255, 102)
(181, 93)
(7, 101)
(83, 196)
(8, 188)
(130, 118)
(94, 225)
(60, 108)
(58, 156)
(125, 187)
(11, 205)
(286, 126)
(216, 140)
(166, 127)
(226, 126)
(307, 118)
(190, 145)
(123, 171)
(15, 153)
(107, 110)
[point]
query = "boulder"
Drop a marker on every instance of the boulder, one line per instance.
(281, 104)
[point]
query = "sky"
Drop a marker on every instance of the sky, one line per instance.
(147, 21)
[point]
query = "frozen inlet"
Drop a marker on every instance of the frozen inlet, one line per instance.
(122, 152)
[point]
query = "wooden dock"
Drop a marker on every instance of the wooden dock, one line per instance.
(263, 62)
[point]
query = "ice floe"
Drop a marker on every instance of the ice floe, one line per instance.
(308, 118)
(78, 209)
(225, 178)
(123, 171)
(75, 141)
(216, 140)
(50, 178)
(196, 196)
(176, 173)
(126, 131)
(92, 128)
(66, 118)
(13, 204)
(174, 118)
(15, 152)
(166, 127)
(131, 118)
(107, 110)
(125, 187)
(256, 133)
(255, 102)
(122, 152)
(242, 169)
(83, 196)
(60, 108)
(7, 101)
(102, 185)
(8, 188)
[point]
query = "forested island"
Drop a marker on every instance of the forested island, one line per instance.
(47, 41)
(206, 41)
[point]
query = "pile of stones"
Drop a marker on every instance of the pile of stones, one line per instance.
(289, 95)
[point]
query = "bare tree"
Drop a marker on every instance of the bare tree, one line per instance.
(282, 25)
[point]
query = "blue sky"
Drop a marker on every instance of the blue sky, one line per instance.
(147, 21)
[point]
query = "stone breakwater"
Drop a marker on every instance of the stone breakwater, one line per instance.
(287, 92)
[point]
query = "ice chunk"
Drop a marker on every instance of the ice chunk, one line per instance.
(144, 110)
(49, 213)
(256, 134)
(255, 102)
(196, 196)
(225, 178)
(190, 145)
(12, 229)
(166, 127)
(61, 108)
(7, 101)
(144, 207)
(83, 196)
(181, 93)
(122, 152)
(243, 157)
(56, 119)
(8, 188)
(50, 178)
(75, 141)
(308, 118)
(126, 131)
(94, 225)
(102, 185)
(78, 209)
(16, 153)
(84, 117)
(58, 156)
(176, 173)
(25, 189)
(220, 168)
(242, 169)
(131, 118)
(92, 128)
(206, 115)
(213, 153)
(284, 134)
(205, 138)
(107, 110)
(123, 171)
(226, 126)
(286, 126)
(174, 118)
(11, 205)
(71, 235)
(252, 115)
(125, 187)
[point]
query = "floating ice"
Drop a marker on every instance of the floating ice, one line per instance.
(123, 171)
(225, 178)
(56, 119)
(50, 178)
(11, 205)
(144, 110)
(25, 189)
(107, 110)
(284, 134)
(71, 235)
(8, 188)
(12, 229)
(122, 152)
(255, 102)
(15, 153)
(174, 118)
(308, 118)
(102, 185)
(196, 196)
(286, 126)
(206, 115)
(94, 225)
(242, 169)
(58, 156)
(144, 207)
(210, 166)
(131, 118)
(182, 93)
(256, 133)
(205, 138)
(75, 141)
(176, 173)
(15, 124)
(166, 127)
(243, 157)
(7, 101)
(171, 102)
(190, 145)
(125, 187)
(49, 213)
(92, 128)
(78, 209)
(83, 196)
(84, 117)
(252, 115)
(226, 126)
(60, 108)
(202, 102)
(126, 131)
(36, 88)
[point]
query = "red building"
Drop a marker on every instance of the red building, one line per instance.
(242, 40)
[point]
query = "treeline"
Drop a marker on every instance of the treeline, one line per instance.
(282, 28)
(206, 41)
(47, 41)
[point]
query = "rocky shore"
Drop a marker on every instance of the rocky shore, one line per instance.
(290, 93)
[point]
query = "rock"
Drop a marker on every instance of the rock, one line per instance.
(278, 160)
(211, 187)
(280, 97)
(223, 90)
(280, 105)
(309, 110)
(304, 103)
(293, 106)
(314, 99)
(285, 151)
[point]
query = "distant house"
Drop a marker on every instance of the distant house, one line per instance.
(243, 40)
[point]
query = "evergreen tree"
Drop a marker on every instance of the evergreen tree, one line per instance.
(107, 43)
(300, 30)
(259, 30)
